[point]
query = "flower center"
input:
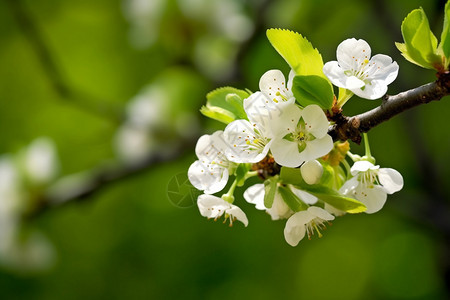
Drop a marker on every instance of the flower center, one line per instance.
(368, 178)
(317, 224)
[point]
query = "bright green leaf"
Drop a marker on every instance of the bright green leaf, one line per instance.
(291, 176)
(218, 114)
(297, 51)
(270, 190)
(241, 172)
(313, 89)
(225, 104)
(294, 202)
(332, 197)
(445, 37)
(420, 45)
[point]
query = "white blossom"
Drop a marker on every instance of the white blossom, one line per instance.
(306, 222)
(371, 184)
(210, 172)
(214, 207)
(279, 210)
(356, 71)
(300, 135)
(40, 161)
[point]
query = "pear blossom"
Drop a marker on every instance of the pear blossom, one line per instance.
(300, 135)
(274, 87)
(279, 210)
(356, 71)
(210, 172)
(371, 184)
(40, 161)
(306, 222)
(214, 207)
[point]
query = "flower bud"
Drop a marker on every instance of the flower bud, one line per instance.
(311, 171)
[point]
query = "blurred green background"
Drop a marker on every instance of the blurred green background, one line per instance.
(70, 67)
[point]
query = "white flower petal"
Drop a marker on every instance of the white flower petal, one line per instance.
(316, 121)
(272, 84)
(295, 230)
(320, 213)
(236, 212)
(290, 80)
(351, 53)
(255, 195)
(338, 77)
(311, 171)
(212, 206)
(208, 177)
(373, 197)
(361, 166)
(286, 153)
(41, 162)
(304, 196)
(386, 69)
(211, 147)
(333, 210)
(349, 186)
(245, 143)
(279, 209)
(317, 148)
(286, 121)
(375, 90)
(390, 179)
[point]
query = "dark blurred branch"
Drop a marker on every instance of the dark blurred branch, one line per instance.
(37, 42)
(350, 128)
(94, 181)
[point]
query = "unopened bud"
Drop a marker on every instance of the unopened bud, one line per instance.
(311, 171)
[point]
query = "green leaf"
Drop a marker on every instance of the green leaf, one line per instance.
(291, 176)
(420, 45)
(218, 114)
(313, 89)
(445, 37)
(291, 199)
(225, 104)
(270, 190)
(241, 172)
(332, 197)
(297, 51)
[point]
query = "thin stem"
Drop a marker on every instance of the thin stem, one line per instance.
(367, 147)
(229, 196)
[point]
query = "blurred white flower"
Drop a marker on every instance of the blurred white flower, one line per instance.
(356, 71)
(40, 161)
(214, 207)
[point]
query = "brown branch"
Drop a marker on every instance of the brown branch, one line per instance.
(350, 128)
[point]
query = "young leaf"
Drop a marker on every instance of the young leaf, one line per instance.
(420, 45)
(270, 190)
(225, 104)
(335, 199)
(445, 37)
(297, 51)
(291, 176)
(218, 114)
(291, 199)
(313, 89)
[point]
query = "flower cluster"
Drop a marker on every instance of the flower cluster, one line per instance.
(272, 134)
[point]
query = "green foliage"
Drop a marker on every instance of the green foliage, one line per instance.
(241, 172)
(298, 52)
(313, 89)
(294, 202)
(225, 104)
(270, 190)
(322, 191)
(420, 45)
(330, 196)
(445, 37)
